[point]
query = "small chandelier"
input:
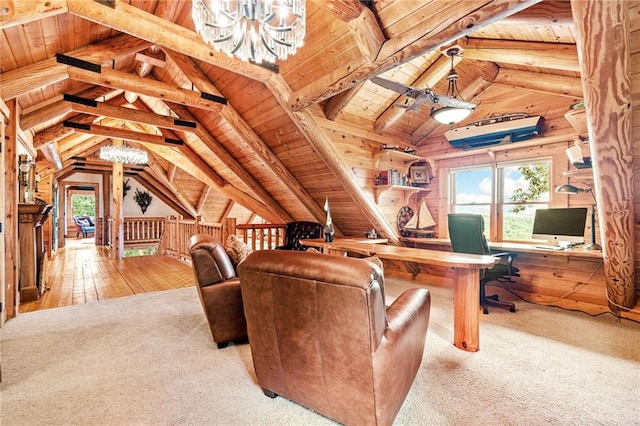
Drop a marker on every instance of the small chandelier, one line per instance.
(256, 30)
(452, 114)
(124, 154)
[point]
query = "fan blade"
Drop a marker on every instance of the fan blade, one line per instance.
(396, 87)
(447, 101)
(427, 96)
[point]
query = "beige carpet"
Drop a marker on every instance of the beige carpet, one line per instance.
(149, 360)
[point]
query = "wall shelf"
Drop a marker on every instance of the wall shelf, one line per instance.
(408, 190)
(392, 159)
(584, 174)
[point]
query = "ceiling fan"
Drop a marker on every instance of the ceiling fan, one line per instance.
(456, 108)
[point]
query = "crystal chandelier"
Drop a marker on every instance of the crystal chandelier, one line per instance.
(124, 154)
(256, 30)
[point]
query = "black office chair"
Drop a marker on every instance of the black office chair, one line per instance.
(296, 231)
(466, 234)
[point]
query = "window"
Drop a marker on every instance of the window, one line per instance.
(505, 194)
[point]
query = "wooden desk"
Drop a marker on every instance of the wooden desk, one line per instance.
(516, 247)
(466, 279)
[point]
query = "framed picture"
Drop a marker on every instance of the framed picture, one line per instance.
(419, 175)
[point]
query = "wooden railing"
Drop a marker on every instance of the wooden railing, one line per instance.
(137, 231)
(262, 236)
(178, 231)
(172, 234)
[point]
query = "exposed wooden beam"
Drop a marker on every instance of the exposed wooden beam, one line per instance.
(362, 24)
(544, 13)
(171, 173)
(443, 27)
(59, 108)
(146, 26)
(339, 102)
(192, 164)
(246, 135)
(316, 137)
(607, 96)
(115, 132)
(44, 73)
(227, 210)
(543, 55)
(203, 199)
(103, 109)
(233, 164)
(52, 154)
(14, 13)
(163, 179)
(146, 86)
(552, 84)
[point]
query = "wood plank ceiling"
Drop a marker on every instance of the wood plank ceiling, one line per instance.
(286, 140)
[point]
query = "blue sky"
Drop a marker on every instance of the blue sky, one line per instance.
(474, 186)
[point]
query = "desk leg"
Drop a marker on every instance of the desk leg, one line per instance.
(335, 251)
(466, 309)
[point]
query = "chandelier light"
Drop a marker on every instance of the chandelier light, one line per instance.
(452, 114)
(124, 154)
(255, 30)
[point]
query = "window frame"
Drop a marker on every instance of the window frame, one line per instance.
(497, 202)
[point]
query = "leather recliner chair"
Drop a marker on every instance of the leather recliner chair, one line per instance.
(219, 290)
(321, 336)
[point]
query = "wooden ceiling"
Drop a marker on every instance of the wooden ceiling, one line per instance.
(285, 140)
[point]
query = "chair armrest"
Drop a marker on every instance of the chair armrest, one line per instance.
(397, 358)
(509, 256)
(411, 306)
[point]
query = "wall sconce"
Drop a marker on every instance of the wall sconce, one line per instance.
(24, 168)
(570, 189)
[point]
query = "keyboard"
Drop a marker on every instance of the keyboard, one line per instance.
(550, 247)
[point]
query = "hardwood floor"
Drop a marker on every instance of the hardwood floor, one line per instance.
(83, 273)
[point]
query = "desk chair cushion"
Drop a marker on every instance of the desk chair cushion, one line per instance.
(466, 232)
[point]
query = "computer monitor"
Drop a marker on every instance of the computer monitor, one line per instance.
(562, 224)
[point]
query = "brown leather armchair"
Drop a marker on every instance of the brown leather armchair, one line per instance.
(321, 336)
(219, 290)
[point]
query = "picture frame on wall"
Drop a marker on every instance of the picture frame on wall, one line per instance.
(419, 175)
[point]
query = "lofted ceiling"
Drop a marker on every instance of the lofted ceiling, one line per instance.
(284, 140)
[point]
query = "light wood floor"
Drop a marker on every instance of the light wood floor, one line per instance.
(82, 273)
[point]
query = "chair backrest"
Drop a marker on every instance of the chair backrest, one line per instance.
(211, 263)
(296, 231)
(313, 322)
(466, 232)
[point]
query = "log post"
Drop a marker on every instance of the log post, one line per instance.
(117, 232)
(603, 48)
(10, 221)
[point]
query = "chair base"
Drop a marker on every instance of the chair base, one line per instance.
(493, 300)
(223, 345)
(268, 393)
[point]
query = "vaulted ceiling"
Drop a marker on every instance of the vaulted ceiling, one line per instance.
(286, 138)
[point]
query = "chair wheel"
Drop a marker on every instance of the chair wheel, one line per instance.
(485, 311)
(512, 309)
(268, 393)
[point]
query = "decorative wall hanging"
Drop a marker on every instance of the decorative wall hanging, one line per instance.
(143, 199)
(125, 188)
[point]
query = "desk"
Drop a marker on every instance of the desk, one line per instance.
(515, 247)
(466, 279)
